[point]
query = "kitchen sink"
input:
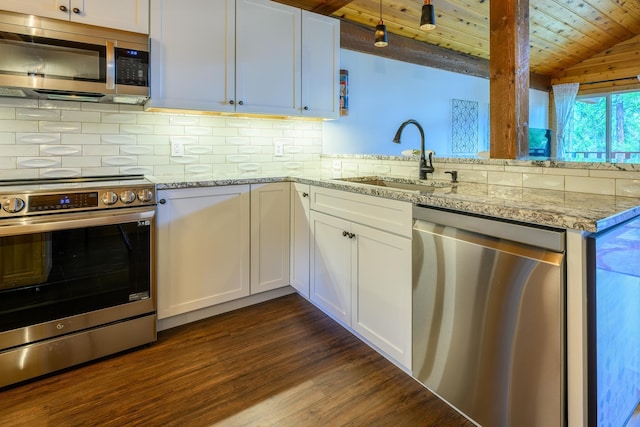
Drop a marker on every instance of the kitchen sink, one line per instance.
(400, 183)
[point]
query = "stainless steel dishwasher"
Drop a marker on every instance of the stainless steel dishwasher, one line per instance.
(488, 317)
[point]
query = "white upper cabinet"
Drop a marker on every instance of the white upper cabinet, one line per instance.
(193, 69)
(247, 56)
(320, 66)
(128, 15)
(268, 46)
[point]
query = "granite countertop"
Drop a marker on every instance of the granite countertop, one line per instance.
(568, 210)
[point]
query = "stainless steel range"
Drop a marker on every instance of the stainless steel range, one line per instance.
(76, 272)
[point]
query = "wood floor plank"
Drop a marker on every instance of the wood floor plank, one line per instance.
(279, 363)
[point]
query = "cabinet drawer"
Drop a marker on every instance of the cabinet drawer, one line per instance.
(385, 214)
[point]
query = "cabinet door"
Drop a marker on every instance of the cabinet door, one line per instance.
(203, 248)
(300, 233)
(269, 236)
(331, 266)
(320, 66)
(128, 15)
(193, 69)
(381, 305)
(267, 58)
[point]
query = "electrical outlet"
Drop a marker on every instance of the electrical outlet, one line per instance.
(278, 150)
(177, 149)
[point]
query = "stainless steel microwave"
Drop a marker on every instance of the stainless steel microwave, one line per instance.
(60, 60)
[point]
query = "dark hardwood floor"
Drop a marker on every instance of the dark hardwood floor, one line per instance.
(279, 363)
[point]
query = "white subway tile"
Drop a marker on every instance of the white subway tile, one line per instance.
(19, 150)
(101, 171)
(628, 187)
(100, 150)
(138, 129)
(119, 139)
(168, 170)
(238, 158)
(511, 179)
(590, 185)
(198, 149)
(119, 160)
(18, 102)
(59, 105)
(136, 170)
(38, 162)
(60, 172)
(153, 119)
(566, 171)
(100, 128)
(176, 120)
(168, 130)
(198, 168)
(137, 150)
(37, 114)
(185, 159)
(38, 138)
(60, 150)
(62, 127)
(19, 125)
(539, 180)
(197, 130)
(128, 118)
(82, 162)
(80, 139)
(153, 140)
(80, 116)
(7, 138)
(104, 108)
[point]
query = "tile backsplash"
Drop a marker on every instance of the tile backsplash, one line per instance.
(595, 178)
(60, 138)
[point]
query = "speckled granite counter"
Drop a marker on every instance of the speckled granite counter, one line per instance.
(570, 210)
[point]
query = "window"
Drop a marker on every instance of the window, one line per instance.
(606, 128)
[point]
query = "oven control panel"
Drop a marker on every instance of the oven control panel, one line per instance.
(76, 200)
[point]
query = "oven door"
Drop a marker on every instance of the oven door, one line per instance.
(62, 273)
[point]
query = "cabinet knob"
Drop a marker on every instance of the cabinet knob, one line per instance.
(162, 201)
(352, 235)
(76, 10)
(345, 233)
(305, 194)
(231, 102)
(306, 108)
(240, 103)
(63, 8)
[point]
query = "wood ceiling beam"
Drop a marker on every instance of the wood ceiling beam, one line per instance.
(509, 79)
(330, 6)
(359, 38)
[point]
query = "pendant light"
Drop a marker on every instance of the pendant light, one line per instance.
(428, 18)
(381, 38)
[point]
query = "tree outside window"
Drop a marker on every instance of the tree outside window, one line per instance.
(606, 128)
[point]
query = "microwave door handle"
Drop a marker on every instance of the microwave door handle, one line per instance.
(111, 65)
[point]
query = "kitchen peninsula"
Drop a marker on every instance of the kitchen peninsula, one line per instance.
(578, 213)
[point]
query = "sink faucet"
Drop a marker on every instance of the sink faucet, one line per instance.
(424, 168)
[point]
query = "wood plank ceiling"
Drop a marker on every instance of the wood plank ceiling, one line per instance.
(563, 33)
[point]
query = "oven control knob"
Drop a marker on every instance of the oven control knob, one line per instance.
(13, 205)
(127, 196)
(109, 198)
(145, 195)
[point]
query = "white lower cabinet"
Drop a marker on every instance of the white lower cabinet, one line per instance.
(202, 247)
(300, 235)
(269, 236)
(361, 274)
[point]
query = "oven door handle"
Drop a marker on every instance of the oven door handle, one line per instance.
(67, 221)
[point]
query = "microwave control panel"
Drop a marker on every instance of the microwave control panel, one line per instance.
(132, 67)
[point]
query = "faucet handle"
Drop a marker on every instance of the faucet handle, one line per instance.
(454, 175)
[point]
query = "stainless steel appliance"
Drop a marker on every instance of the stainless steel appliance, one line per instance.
(613, 316)
(488, 317)
(53, 59)
(76, 272)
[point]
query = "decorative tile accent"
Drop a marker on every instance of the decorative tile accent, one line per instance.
(119, 161)
(38, 162)
(60, 150)
(38, 138)
(249, 167)
(119, 118)
(136, 170)
(198, 149)
(137, 129)
(68, 127)
(37, 114)
(184, 159)
(137, 150)
(118, 139)
(60, 173)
